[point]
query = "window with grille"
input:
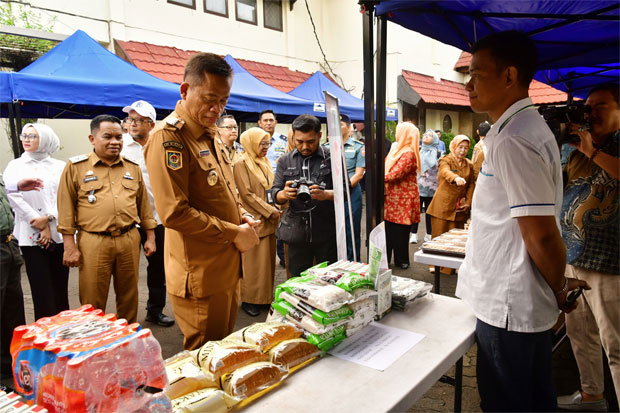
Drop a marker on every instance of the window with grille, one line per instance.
(447, 123)
(246, 10)
(272, 13)
(219, 7)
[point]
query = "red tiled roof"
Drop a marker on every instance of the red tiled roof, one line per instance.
(168, 63)
(444, 92)
(462, 65)
(540, 93)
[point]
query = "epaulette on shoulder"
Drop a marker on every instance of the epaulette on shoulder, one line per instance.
(131, 160)
(78, 159)
(174, 123)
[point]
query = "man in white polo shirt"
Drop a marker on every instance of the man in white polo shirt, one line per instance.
(513, 273)
(139, 123)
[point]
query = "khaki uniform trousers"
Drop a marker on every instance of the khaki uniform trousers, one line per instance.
(206, 318)
(105, 256)
(596, 321)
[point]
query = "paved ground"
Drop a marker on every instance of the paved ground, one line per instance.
(438, 399)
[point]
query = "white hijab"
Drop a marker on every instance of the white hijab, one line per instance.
(48, 141)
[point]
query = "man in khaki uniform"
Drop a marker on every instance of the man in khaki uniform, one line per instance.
(197, 201)
(103, 197)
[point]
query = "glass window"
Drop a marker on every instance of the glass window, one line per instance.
(447, 123)
(217, 7)
(246, 10)
(272, 13)
(186, 3)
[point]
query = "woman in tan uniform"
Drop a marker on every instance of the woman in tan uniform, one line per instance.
(452, 201)
(254, 176)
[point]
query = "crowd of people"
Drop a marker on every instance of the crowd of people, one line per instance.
(211, 210)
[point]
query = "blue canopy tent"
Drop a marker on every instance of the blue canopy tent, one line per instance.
(249, 96)
(312, 89)
(577, 37)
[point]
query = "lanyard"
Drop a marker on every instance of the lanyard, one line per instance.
(511, 116)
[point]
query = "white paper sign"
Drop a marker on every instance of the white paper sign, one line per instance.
(376, 346)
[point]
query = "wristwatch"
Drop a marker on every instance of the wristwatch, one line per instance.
(50, 217)
(247, 214)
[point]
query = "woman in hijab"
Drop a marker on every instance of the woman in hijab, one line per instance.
(402, 203)
(452, 201)
(427, 180)
(254, 176)
(36, 215)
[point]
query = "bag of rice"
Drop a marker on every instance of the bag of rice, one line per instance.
(318, 315)
(314, 292)
(302, 320)
(328, 340)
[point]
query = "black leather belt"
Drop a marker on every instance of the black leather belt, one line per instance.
(113, 233)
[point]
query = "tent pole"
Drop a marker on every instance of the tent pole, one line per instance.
(14, 138)
(18, 124)
(381, 78)
(369, 114)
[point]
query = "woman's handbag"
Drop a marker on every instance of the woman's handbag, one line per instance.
(294, 228)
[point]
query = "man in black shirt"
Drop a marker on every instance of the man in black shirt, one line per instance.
(308, 226)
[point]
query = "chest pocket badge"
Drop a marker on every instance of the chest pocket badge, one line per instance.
(174, 159)
(212, 178)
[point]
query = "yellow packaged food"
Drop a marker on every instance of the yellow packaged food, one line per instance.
(225, 356)
(291, 353)
(185, 376)
(266, 335)
(249, 380)
(209, 400)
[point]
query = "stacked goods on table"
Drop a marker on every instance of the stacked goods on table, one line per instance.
(329, 303)
(12, 403)
(449, 243)
(85, 360)
(236, 370)
(405, 291)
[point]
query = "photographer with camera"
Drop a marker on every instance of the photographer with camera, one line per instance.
(304, 180)
(590, 229)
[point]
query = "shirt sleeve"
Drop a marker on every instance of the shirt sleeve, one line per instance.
(278, 180)
(67, 202)
(144, 205)
(361, 160)
(22, 208)
(248, 197)
(526, 176)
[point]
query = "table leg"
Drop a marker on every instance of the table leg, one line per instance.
(458, 384)
(437, 275)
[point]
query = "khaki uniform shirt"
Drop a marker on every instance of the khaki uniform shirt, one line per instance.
(447, 195)
(121, 198)
(197, 201)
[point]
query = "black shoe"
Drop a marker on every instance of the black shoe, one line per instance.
(403, 266)
(252, 309)
(282, 264)
(160, 319)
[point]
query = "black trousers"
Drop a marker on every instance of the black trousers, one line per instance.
(302, 256)
(11, 301)
(48, 280)
(155, 273)
(397, 240)
(425, 201)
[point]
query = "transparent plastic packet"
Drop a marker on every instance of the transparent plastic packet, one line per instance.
(185, 375)
(209, 400)
(304, 321)
(362, 294)
(293, 353)
(252, 380)
(364, 304)
(225, 356)
(406, 290)
(325, 297)
(265, 335)
(328, 340)
(320, 316)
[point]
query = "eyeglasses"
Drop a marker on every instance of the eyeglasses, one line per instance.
(264, 144)
(138, 122)
(229, 127)
(28, 137)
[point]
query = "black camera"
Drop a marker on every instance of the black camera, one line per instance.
(558, 116)
(303, 190)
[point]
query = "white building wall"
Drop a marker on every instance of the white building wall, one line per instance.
(338, 25)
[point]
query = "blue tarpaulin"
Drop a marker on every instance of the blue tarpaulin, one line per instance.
(578, 37)
(312, 89)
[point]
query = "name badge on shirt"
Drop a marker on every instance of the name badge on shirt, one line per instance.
(90, 178)
(203, 153)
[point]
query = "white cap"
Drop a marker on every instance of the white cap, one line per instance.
(143, 108)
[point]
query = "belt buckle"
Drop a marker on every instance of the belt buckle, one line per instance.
(8, 239)
(115, 233)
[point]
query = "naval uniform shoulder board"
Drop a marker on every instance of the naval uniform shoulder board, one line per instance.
(78, 159)
(131, 160)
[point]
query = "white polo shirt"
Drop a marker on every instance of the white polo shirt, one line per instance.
(134, 151)
(520, 176)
